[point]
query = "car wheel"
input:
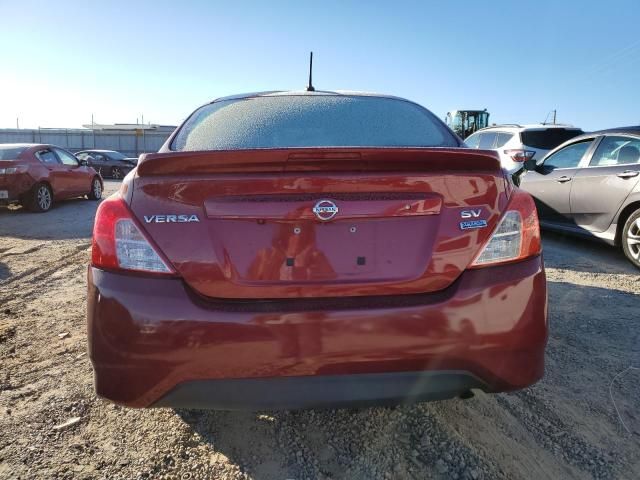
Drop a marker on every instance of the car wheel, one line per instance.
(96, 189)
(631, 238)
(41, 198)
(116, 173)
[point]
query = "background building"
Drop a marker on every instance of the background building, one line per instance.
(130, 139)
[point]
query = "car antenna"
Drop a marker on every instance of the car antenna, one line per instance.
(310, 86)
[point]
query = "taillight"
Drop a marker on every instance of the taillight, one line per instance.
(520, 155)
(120, 244)
(12, 170)
(517, 235)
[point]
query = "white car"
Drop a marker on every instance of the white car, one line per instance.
(517, 143)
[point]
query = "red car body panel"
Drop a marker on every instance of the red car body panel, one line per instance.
(405, 225)
(146, 338)
(265, 304)
(65, 181)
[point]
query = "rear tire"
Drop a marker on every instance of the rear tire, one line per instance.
(40, 199)
(116, 173)
(631, 238)
(96, 189)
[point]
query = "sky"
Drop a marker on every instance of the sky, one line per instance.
(64, 61)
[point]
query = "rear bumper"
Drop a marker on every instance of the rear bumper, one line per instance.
(16, 186)
(320, 391)
(153, 342)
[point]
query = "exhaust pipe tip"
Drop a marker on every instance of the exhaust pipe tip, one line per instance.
(466, 395)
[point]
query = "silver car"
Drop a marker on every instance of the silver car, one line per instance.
(590, 185)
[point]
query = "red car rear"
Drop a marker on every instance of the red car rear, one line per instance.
(36, 175)
(300, 249)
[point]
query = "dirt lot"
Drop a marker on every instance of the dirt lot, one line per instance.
(566, 426)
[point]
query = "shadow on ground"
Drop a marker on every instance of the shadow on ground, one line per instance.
(583, 254)
(68, 219)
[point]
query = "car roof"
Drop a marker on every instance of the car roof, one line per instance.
(315, 93)
(29, 145)
(635, 130)
(587, 135)
(610, 131)
(24, 145)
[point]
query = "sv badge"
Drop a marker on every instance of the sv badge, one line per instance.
(474, 221)
(471, 213)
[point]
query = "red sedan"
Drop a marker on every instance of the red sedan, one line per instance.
(36, 175)
(312, 249)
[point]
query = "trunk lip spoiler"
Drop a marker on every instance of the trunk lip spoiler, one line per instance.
(319, 159)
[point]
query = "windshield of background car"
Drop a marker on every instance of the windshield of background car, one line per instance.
(10, 153)
(311, 121)
(548, 139)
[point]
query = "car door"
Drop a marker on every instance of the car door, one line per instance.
(600, 188)
(77, 178)
(99, 162)
(550, 184)
(56, 175)
(85, 156)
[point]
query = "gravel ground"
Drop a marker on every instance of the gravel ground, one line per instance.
(566, 426)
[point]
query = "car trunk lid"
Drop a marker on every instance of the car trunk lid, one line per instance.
(254, 224)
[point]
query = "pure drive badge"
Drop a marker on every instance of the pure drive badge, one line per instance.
(473, 224)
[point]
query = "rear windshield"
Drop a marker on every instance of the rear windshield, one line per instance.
(311, 121)
(547, 139)
(10, 153)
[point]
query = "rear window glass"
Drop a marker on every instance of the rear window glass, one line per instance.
(503, 138)
(311, 121)
(486, 141)
(473, 140)
(547, 139)
(10, 153)
(47, 156)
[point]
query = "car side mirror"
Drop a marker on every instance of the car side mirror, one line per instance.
(83, 163)
(530, 165)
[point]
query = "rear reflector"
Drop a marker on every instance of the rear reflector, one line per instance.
(120, 244)
(516, 237)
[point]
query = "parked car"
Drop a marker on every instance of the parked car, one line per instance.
(108, 163)
(36, 175)
(517, 143)
(309, 249)
(590, 185)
